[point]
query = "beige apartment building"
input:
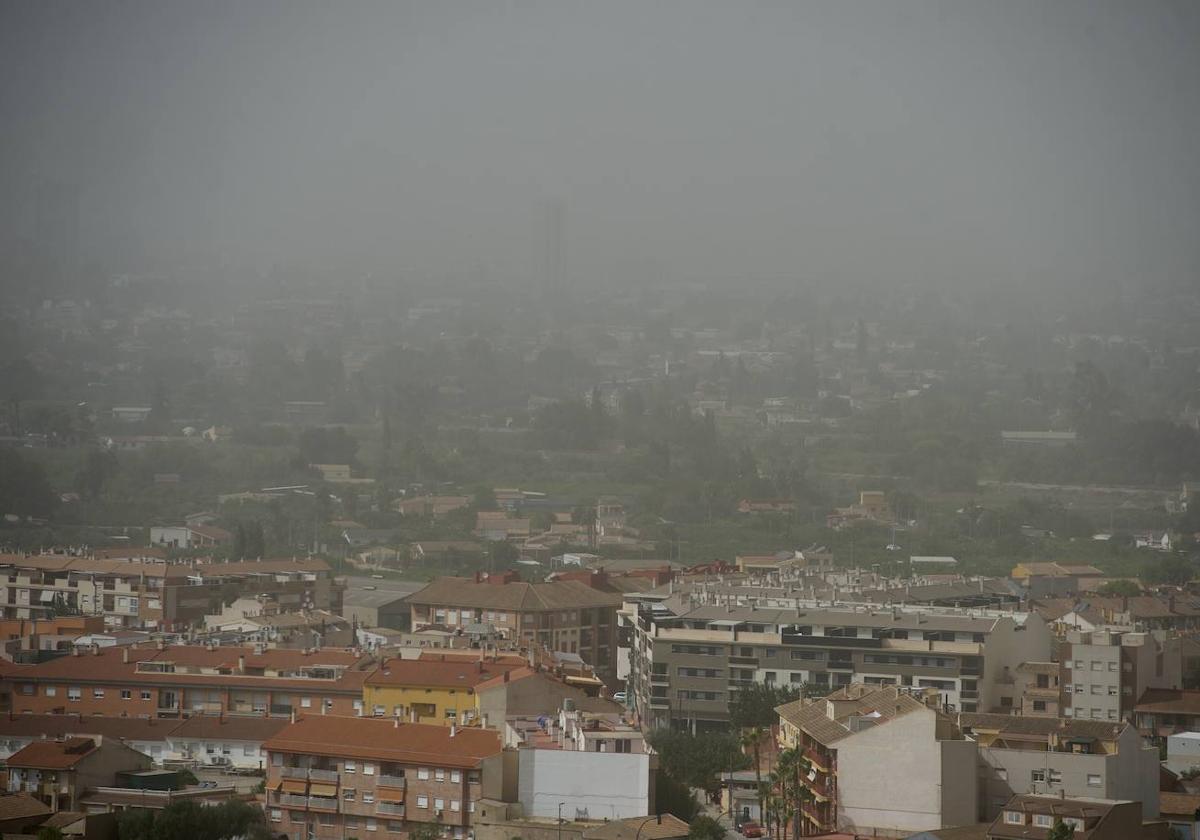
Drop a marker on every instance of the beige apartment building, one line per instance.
(336, 777)
(1105, 672)
(686, 661)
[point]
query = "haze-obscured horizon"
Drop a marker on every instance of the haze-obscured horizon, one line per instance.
(959, 143)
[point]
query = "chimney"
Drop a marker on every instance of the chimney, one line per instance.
(453, 730)
(125, 655)
(95, 649)
(75, 650)
(479, 667)
(395, 723)
(241, 664)
(292, 717)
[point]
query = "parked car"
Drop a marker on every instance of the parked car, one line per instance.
(620, 696)
(751, 829)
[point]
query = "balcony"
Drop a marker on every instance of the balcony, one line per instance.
(280, 710)
(393, 809)
(840, 665)
(322, 803)
(292, 799)
(744, 660)
(391, 781)
(309, 773)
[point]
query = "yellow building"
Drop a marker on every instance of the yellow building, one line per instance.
(436, 688)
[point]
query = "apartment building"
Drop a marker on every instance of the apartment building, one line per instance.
(1060, 757)
(437, 688)
(565, 615)
(686, 661)
(150, 593)
(170, 681)
(335, 777)
(1038, 689)
(882, 762)
(1104, 672)
(59, 772)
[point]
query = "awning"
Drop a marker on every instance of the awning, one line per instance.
(46, 596)
(319, 789)
(294, 785)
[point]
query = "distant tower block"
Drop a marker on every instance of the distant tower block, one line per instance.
(556, 213)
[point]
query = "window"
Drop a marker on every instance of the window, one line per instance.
(1112, 691)
(1093, 780)
(98, 693)
(1097, 666)
(455, 805)
(439, 804)
(1055, 777)
(145, 695)
(1039, 705)
(371, 824)
(456, 776)
(51, 690)
(423, 773)
(1112, 667)
(1043, 820)
(305, 702)
(422, 801)
(74, 693)
(1006, 702)
(349, 767)
(249, 750)
(1037, 776)
(368, 769)
(348, 822)
(1078, 664)
(126, 694)
(348, 794)
(368, 797)
(1014, 818)
(439, 775)
(395, 826)
(276, 815)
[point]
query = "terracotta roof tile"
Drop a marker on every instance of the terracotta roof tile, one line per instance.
(460, 674)
(385, 740)
(16, 806)
(53, 755)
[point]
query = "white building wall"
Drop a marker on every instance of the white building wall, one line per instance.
(890, 777)
(609, 786)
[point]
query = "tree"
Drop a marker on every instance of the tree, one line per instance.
(1061, 831)
(19, 382)
(1172, 569)
(425, 831)
(705, 827)
(189, 820)
(1120, 588)
(49, 832)
(24, 489)
(755, 704)
(751, 739)
(697, 760)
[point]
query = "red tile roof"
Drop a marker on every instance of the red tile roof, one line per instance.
(449, 674)
(53, 755)
(385, 740)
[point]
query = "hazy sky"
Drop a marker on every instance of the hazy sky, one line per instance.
(1001, 141)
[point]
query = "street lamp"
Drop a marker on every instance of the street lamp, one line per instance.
(657, 817)
(560, 807)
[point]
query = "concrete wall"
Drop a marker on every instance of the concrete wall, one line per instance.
(605, 785)
(891, 777)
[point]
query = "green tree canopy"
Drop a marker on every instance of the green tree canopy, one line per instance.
(754, 704)
(705, 827)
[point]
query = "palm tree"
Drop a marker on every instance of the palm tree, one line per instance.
(751, 738)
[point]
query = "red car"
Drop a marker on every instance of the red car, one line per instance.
(751, 829)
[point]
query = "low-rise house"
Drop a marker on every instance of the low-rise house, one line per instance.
(1160, 713)
(334, 777)
(190, 536)
(58, 772)
(146, 735)
(22, 813)
(1181, 812)
(1060, 757)
(1033, 816)
(1050, 579)
(432, 506)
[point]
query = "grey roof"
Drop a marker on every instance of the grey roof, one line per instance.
(381, 593)
(834, 617)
